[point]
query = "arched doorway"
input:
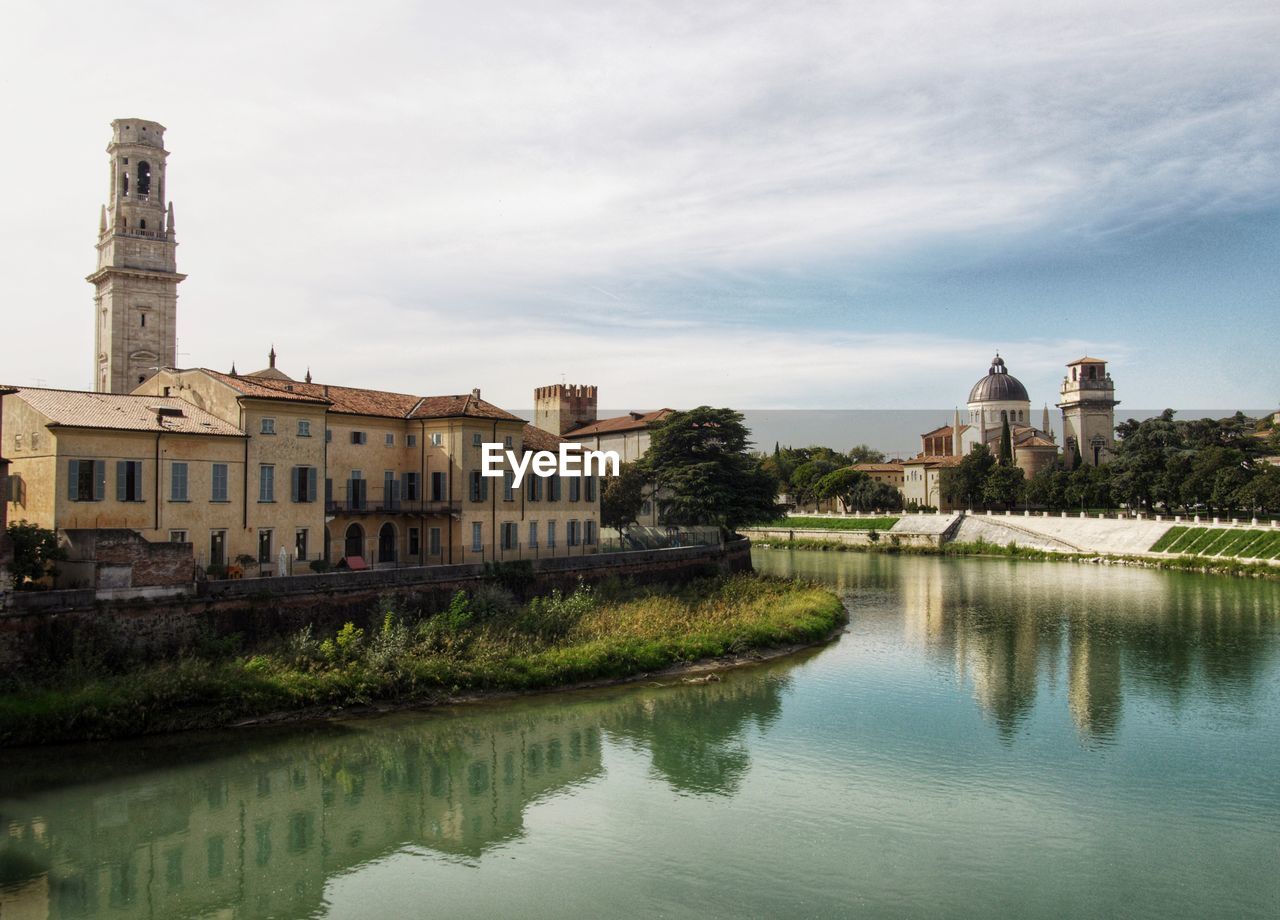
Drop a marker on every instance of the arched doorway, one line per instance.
(355, 541)
(387, 544)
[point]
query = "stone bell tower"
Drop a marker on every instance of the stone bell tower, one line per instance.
(1088, 411)
(136, 282)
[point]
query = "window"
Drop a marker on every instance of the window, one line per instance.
(575, 489)
(508, 491)
(589, 533)
(219, 490)
(357, 491)
(357, 437)
(302, 484)
(177, 481)
(510, 535)
(477, 537)
(129, 481)
(266, 482)
(433, 544)
(304, 428)
(534, 491)
(533, 534)
(437, 487)
(508, 442)
(264, 545)
(268, 426)
(328, 436)
(415, 546)
(479, 487)
(217, 547)
(86, 480)
(300, 544)
(390, 439)
(412, 492)
(437, 439)
(571, 533)
(411, 440)
(390, 489)
(553, 488)
(17, 442)
(476, 439)
(142, 317)
(589, 487)
(551, 534)
(328, 491)
(177, 536)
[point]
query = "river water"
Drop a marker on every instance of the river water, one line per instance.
(990, 738)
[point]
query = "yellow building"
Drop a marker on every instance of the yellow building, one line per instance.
(260, 467)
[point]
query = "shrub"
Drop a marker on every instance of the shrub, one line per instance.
(552, 617)
(491, 599)
(320, 565)
(345, 646)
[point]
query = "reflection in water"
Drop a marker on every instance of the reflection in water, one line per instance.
(1011, 628)
(262, 830)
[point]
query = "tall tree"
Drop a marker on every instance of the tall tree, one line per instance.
(701, 463)
(622, 498)
(35, 554)
(1006, 443)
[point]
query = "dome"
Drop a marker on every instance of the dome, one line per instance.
(998, 386)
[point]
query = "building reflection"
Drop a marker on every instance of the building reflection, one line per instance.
(260, 831)
(1014, 631)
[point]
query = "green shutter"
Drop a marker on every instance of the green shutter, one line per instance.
(73, 480)
(295, 477)
(122, 480)
(311, 484)
(99, 480)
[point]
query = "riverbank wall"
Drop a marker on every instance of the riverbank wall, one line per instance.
(1051, 532)
(51, 627)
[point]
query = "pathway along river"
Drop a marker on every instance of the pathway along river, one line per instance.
(991, 738)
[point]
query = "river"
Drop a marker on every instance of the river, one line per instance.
(990, 738)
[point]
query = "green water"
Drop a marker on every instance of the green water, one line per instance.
(991, 738)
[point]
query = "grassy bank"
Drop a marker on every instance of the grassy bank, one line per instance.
(1201, 564)
(819, 523)
(483, 642)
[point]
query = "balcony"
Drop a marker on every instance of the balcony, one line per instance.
(362, 497)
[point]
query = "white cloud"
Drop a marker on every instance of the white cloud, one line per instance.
(461, 169)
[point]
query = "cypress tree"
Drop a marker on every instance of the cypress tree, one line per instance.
(1006, 444)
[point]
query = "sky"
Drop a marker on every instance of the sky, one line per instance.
(805, 205)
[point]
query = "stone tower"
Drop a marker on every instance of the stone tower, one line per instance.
(136, 282)
(561, 407)
(1088, 411)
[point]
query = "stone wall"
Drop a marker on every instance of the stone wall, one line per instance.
(123, 559)
(54, 626)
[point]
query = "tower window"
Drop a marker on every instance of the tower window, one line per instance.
(143, 319)
(144, 178)
(142, 224)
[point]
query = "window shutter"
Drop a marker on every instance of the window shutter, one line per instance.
(311, 484)
(99, 480)
(295, 477)
(122, 477)
(73, 479)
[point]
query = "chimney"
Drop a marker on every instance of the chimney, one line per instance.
(475, 394)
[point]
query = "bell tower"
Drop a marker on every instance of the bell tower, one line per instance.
(136, 282)
(1088, 411)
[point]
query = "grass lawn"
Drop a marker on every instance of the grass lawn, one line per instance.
(819, 523)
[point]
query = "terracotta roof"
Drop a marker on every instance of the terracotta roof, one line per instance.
(632, 421)
(121, 412)
(945, 429)
(936, 460)
(1085, 360)
(357, 401)
(878, 467)
(263, 388)
(537, 439)
(468, 406)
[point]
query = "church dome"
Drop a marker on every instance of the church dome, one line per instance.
(998, 386)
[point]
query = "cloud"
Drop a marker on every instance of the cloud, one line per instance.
(491, 165)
